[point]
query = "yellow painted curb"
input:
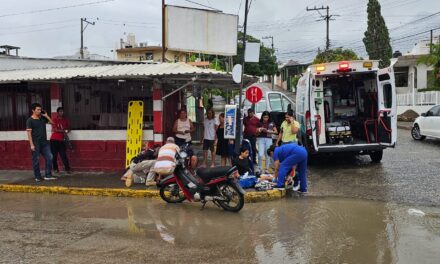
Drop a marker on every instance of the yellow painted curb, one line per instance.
(79, 191)
(271, 195)
(250, 197)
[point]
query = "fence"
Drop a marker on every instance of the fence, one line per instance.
(423, 98)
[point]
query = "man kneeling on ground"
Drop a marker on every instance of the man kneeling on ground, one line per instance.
(142, 165)
(285, 158)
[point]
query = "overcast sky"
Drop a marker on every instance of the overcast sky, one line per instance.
(52, 28)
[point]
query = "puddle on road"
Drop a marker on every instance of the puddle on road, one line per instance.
(308, 230)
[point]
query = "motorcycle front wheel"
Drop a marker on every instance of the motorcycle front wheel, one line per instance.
(233, 199)
(171, 193)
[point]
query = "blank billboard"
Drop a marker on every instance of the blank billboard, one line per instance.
(204, 31)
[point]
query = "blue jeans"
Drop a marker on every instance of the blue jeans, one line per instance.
(299, 159)
(44, 150)
(263, 145)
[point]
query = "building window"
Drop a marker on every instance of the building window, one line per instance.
(149, 56)
(415, 77)
(128, 55)
(104, 105)
(15, 103)
(430, 78)
(401, 76)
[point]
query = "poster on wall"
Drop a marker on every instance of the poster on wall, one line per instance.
(230, 121)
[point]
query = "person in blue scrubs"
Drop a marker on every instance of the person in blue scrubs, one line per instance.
(285, 157)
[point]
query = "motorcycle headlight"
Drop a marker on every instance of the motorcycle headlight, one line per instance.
(183, 155)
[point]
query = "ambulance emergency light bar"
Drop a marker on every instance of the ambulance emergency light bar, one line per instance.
(342, 66)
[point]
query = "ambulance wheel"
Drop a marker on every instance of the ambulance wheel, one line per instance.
(376, 156)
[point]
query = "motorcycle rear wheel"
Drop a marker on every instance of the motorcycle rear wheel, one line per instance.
(234, 200)
(171, 193)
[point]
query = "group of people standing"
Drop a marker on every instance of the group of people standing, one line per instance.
(263, 133)
(213, 136)
(280, 146)
(39, 145)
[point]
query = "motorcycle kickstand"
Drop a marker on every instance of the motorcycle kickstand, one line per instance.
(203, 205)
(216, 203)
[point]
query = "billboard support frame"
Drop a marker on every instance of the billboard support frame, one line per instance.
(238, 135)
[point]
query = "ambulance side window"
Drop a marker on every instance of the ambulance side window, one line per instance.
(387, 95)
(275, 102)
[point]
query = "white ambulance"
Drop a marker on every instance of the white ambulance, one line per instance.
(347, 106)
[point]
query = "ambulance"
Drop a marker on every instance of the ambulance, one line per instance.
(347, 106)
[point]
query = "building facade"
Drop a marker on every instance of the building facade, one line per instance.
(149, 53)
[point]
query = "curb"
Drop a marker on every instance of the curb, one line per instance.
(250, 197)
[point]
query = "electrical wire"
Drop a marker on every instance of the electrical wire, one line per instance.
(56, 8)
(195, 3)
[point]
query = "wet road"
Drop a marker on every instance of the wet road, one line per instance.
(356, 212)
(408, 174)
(37, 228)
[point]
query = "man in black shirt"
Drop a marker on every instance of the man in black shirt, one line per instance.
(36, 131)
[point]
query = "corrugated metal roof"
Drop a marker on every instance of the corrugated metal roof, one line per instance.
(112, 71)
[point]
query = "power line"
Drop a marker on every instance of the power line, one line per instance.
(56, 8)
(42, 24)
(33, 31)
(327, 18)
(415, 21)
(195, 3)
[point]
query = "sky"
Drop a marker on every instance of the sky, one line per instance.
(52, 28)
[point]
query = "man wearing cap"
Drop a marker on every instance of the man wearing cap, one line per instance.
(166, 159)
(285, 158)
(251, 122)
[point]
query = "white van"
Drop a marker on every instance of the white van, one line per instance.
(272, 101)
(347, 106)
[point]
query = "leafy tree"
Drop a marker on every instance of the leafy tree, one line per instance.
(377, 38)
(335, 55)
(267, 64)
(432, 59)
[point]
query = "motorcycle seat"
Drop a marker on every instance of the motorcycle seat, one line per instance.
(206, 174)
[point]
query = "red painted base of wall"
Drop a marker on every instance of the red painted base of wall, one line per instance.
(85, 156)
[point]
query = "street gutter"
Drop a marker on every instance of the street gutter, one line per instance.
(250, 197)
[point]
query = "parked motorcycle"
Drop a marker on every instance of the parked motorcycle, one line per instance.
(218, 185)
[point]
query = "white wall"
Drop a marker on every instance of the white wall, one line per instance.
(422, 80)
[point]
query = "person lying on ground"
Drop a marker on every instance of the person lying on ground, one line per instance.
(140, 170)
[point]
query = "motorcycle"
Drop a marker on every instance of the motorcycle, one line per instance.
(218, 185)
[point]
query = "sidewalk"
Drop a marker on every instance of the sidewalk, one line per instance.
(97, 184)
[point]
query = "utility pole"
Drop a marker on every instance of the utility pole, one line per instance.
(273, 53)
(271, 38)
(327, 18)
(239, 131)
(430, 44)
(81, 51)
(163, 31)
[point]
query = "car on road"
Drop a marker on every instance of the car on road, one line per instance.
(427, 125)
